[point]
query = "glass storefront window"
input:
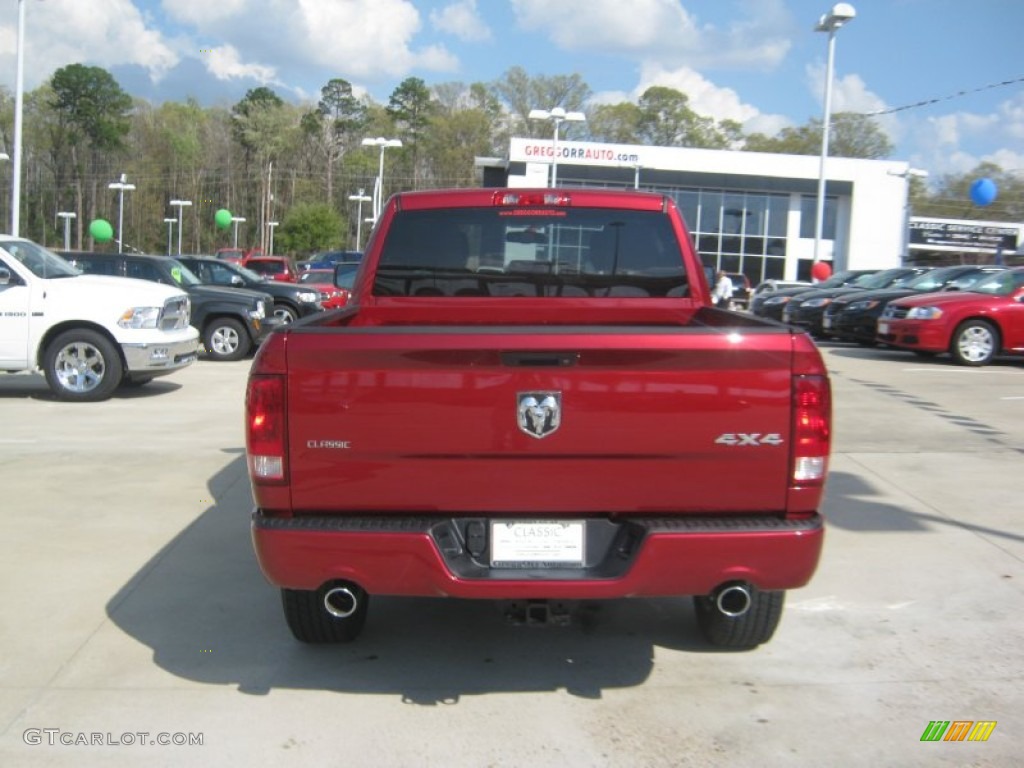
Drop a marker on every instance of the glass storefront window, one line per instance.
(809, 214)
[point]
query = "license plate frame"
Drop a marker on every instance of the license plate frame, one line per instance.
(537, 543)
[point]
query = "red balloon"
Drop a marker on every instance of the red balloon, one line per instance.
(821, 270)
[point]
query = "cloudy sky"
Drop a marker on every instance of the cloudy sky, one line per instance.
(948, 73)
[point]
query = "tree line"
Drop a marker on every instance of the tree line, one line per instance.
(267, 160)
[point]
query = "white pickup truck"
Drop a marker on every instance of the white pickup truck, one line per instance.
(89, 334)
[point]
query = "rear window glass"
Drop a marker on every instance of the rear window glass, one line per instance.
(549, 252)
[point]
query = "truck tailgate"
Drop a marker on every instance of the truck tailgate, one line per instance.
(649, 420)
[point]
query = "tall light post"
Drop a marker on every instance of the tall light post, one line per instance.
(67, 216)
(170, 227)
(121, 186)
(236, 220)
(840, 14)
(556, 116)
(270, 245)
(378, 188)
(359, 198)
(19, 88)
(180, 205)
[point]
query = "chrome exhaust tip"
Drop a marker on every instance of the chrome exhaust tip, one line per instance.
(340, 602)
(733, 599)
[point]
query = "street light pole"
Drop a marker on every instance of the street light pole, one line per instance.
(237, 220)
(378, 189)
(19, 87)
(121, 186)
(359, 198)
(67, 216)
(270, 245)
(180, 205)
(556, 116)
(170, 226)
(840, 14)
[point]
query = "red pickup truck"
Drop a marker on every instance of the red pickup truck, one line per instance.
(530, 398)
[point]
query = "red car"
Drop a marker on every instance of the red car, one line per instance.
(272, 267)
(331, 295)
(973, 326)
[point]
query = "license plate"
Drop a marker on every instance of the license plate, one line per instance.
(826, 322)
(883, 327)
(537, 543)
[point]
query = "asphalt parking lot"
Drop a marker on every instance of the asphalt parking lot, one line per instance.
(133, 605)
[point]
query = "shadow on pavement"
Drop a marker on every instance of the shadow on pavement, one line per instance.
(852, 504)
(33, 385)
(208, 614)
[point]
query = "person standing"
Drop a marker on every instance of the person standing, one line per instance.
(722, 293)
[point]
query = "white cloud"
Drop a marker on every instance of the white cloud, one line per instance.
(224, 63)
(661, 30)
(203, 14)
(62, 32)
(462, 20)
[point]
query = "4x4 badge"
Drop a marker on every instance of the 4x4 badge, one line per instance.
(539, 413)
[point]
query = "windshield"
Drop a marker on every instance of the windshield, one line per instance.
(183, 275)
(1000, 284)
(934, 280)
(317, 276)
(882, 279)
(39, 261)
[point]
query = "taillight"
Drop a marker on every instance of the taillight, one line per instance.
(531, 198)
(812, 414)
(266, 428)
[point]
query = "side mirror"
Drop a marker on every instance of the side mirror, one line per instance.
(236, 280)
(5, 276)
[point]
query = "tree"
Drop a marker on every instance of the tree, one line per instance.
(91, 112)
(310, 227)
(411, 107)
(521, 93)
(851, 135)
(335, 124)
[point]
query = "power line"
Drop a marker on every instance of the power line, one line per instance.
(938, 99)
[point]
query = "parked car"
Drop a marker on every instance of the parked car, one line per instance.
(231, 322)
(767, 287)
(807, 309)
(328, 259)
(855, 317)
(88, 335)
(332, 294)
(272, 267)
(291, 301)
(973, 325)
(771, 305)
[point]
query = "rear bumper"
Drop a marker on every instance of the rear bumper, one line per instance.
(430, 557)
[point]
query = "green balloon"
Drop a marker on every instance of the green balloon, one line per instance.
(222, 218)
(101, 230)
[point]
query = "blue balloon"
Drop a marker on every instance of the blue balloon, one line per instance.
(983, 191)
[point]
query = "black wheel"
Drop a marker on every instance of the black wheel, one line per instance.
(745, 631)
(82, 366)
(975, 342)
(285, 314)
(310, 620)
(226, 339)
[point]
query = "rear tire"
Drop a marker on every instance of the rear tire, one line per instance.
(740, 633)
(285, 313)
(975, 342)
(82, 366)
(310, 622)
(226, 339)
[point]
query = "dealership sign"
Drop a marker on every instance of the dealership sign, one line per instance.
(945, 234)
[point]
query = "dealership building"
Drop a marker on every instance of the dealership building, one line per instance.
(755, 212)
